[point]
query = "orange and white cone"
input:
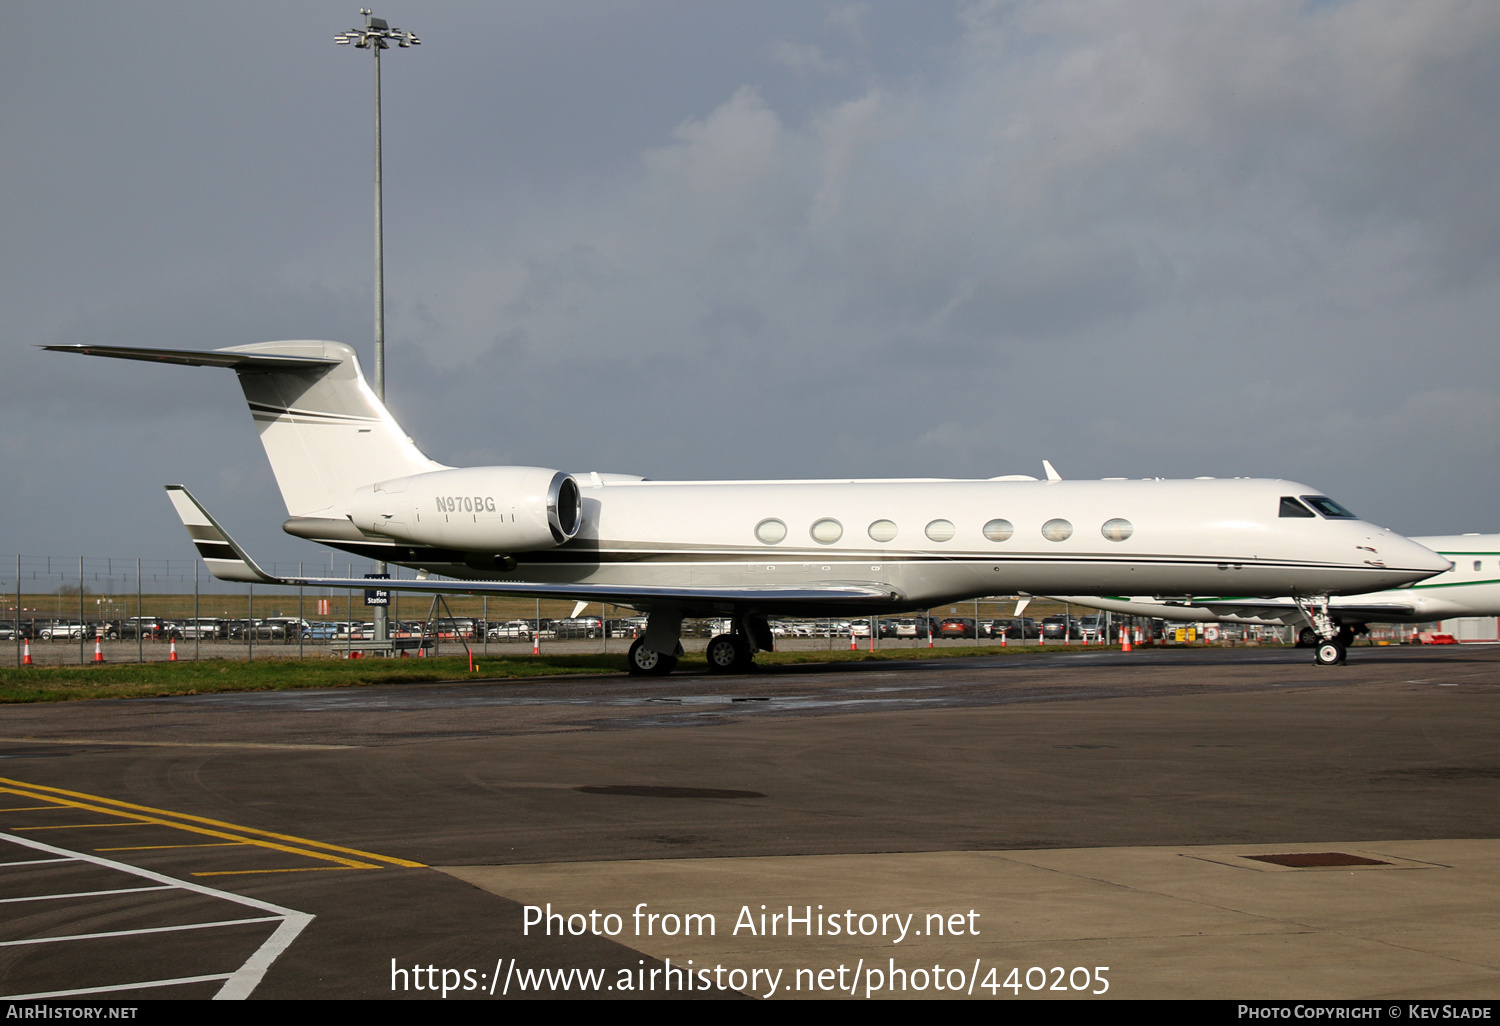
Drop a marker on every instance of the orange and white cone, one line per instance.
(1003, 635)
(98, 650)
(172, 652)
(853, 645)
(1125, 640)
(536, 642)
(26, 652)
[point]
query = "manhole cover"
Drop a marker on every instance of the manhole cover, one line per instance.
(1316, 859)
(647, 791)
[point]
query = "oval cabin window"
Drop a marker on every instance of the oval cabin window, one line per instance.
(827, 531)
(999, 530)
(941, 530)
(1057, 530)
(1117, 529)
(883, 531)
(770, 531)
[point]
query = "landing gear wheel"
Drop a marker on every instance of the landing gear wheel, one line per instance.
(729, 653)
(647, 662)
(1330, 653)
(1307, 638)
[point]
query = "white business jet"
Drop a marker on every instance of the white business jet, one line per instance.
(745, 550)
(1470, 588)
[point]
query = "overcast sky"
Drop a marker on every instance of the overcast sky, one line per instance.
(770, 239)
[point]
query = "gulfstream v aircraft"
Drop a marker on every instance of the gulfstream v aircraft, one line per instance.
(745, 550)
(1470, 588)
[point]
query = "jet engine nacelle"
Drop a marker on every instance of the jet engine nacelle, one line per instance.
(476, 509)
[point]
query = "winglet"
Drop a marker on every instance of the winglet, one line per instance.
(225, 559)
(1052, 475)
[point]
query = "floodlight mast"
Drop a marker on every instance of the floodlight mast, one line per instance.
(378, 35)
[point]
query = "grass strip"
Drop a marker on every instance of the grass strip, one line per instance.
(210, 676)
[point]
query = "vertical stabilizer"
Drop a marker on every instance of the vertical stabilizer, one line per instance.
(325, 431)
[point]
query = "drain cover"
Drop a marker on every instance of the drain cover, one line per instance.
(647, 791)
(1316, 859)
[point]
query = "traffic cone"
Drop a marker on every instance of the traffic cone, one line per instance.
(536, 642)
(1003, 635)
(405, 654)
(1125, 640)
(853, 646)
(26, 652)
(98, 651)
(172, 652)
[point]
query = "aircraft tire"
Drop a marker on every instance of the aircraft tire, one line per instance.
(1330, 653)
(647, 662)
(729, 653)
(1307, 638)
(723, 654)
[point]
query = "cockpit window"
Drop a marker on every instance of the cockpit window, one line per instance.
(1326, 506)
(1290, 507)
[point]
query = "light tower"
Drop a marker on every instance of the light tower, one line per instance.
(377, 35)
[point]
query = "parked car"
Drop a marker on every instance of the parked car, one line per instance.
(957, 627)
(1061, 628)
(289, 628)
(59, 630)
(511, 630)
(1015, 629)
(202, 629)
(132, 627)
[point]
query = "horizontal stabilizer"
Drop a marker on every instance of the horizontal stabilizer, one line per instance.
(202, 358)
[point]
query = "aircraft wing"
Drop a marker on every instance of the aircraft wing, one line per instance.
(228, 562)
(1256, 610)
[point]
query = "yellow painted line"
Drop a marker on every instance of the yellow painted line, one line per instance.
(10, 785)
(306, 869)
(158, 847)
(158, 821)
(74, 826)
(35, 808)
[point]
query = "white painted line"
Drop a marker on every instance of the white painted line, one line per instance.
(212, 892)
(239, 984)
(33, 862)
(89, 894)
(134, 933)
(124, 986)
(248, 976)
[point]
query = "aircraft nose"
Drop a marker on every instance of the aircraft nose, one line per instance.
(1406, 554)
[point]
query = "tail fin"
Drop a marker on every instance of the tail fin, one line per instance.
(324, 430)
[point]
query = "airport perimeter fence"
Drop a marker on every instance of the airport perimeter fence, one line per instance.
(84, 609)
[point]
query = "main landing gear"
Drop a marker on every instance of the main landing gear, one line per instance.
(727, 653)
